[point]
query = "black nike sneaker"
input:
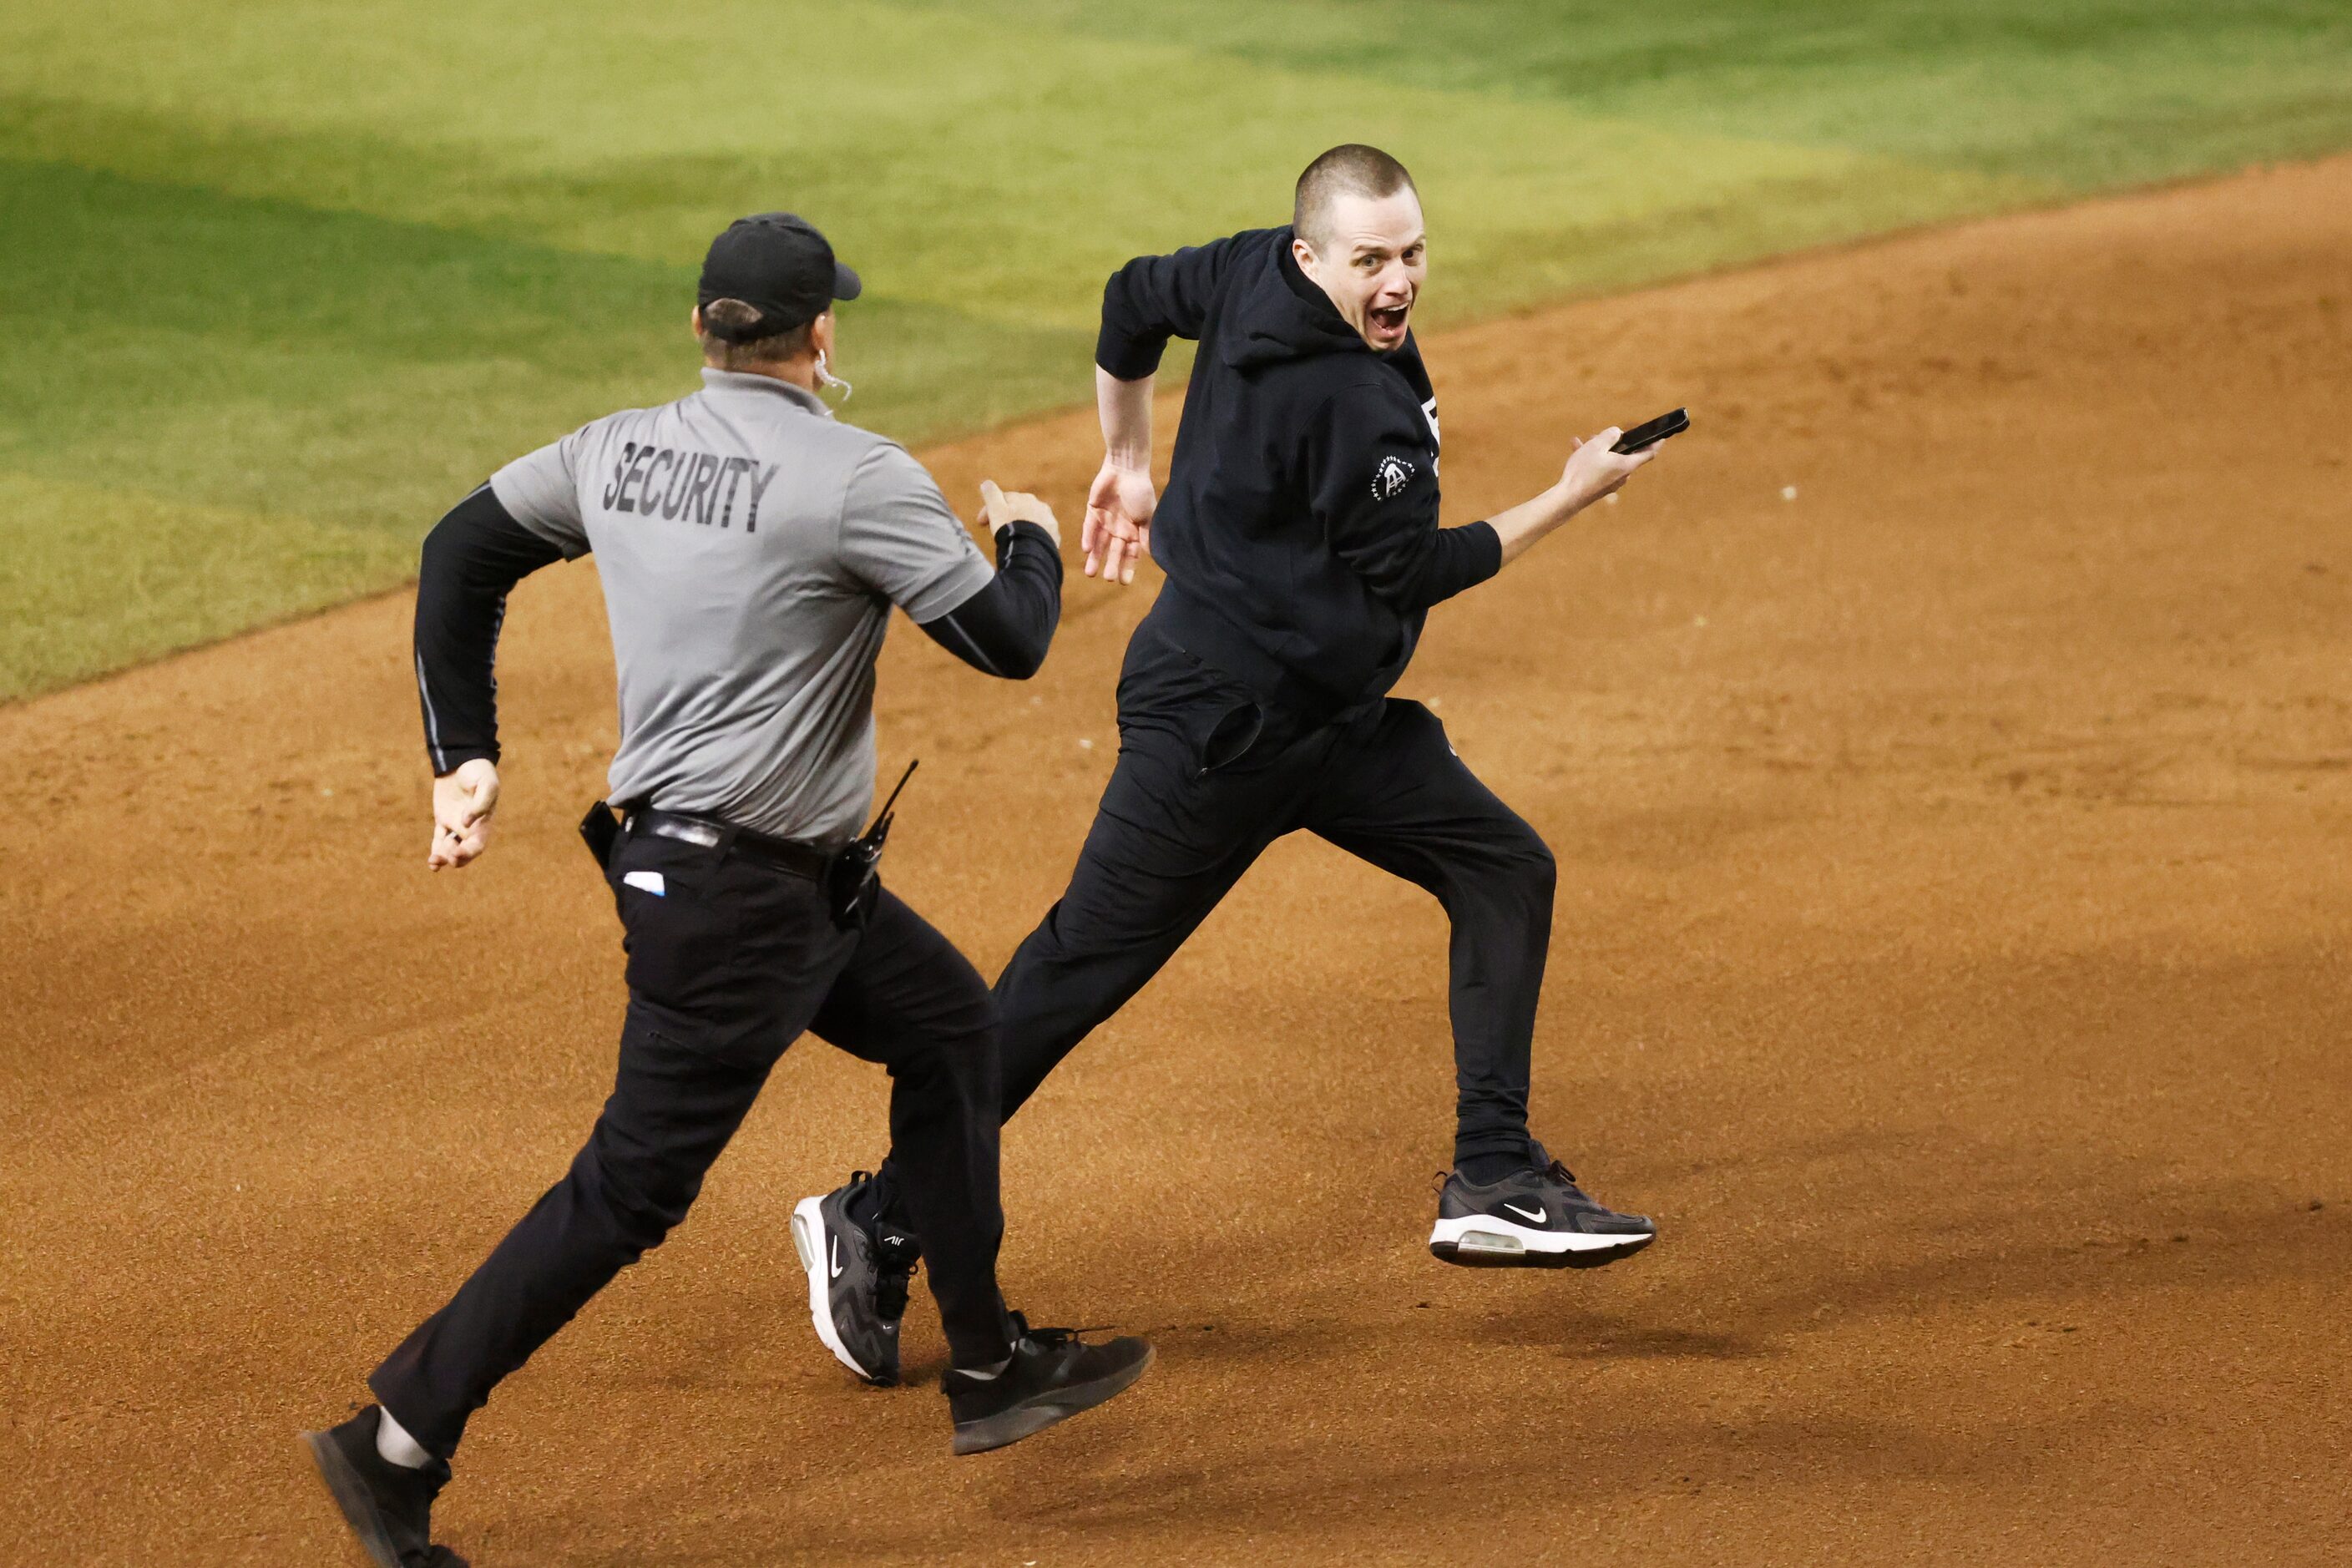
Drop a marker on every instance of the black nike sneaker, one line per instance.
(388, 1506)
(1053, 1376)
(1532, 1219)
(857, 1279)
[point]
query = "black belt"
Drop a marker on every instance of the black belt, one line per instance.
(784, 854)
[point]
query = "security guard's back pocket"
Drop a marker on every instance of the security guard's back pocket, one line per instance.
(680, 931)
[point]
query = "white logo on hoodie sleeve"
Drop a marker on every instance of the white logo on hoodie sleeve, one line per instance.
(1391, 478)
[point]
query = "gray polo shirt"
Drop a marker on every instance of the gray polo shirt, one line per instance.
(750, 548)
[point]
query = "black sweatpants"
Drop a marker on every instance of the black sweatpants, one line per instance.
(730, 959)
(1208, 775)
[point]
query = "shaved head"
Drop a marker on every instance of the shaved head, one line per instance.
(1351, 169)
(1356, 232)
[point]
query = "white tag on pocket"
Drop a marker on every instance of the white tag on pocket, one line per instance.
(648, 881)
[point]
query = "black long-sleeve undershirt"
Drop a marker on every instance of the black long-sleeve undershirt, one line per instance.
(477, 553)
(472, 558)
(1006, 628)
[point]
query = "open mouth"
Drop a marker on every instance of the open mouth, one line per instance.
(1389, 320)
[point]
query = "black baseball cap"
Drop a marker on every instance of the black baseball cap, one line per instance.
(779, 264)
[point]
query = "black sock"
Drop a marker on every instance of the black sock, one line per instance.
(875, 1204)
(1485, 1170)
(879, 1207)
(864, 1206)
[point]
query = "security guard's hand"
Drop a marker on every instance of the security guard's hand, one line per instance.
(1117, 531)
(1001, 508)
(463, 799)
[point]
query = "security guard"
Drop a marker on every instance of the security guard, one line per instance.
(750, 548)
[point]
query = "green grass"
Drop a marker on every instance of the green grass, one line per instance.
(277, 281)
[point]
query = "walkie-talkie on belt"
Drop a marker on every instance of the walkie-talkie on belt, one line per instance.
(854, 880)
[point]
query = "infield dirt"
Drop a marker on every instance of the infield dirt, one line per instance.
(1948, 747)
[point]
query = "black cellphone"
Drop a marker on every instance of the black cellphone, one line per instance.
(1655, 431)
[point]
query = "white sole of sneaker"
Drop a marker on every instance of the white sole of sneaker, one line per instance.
(810, 1241)
(1479, 1241)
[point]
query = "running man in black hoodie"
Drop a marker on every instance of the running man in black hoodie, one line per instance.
(1301, 542)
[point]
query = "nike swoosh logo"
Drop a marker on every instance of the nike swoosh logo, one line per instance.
(836, 1257)
(1537, 1217)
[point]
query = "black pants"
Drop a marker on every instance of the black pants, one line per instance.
(1207, 777)
(729, 961)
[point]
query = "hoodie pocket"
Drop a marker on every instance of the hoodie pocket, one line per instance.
(1168, 689)
(1228, 735)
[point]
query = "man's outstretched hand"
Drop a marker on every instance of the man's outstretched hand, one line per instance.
(1594, 471)
(1117, 533)
(463, 799)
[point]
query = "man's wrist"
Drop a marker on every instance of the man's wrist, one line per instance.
(1564, 501)
(1010, 530)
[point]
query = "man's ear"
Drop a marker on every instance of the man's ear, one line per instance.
(821, 332)
(1302, 253)
(694, 320)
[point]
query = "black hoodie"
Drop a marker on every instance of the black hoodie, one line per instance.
(1299, 527)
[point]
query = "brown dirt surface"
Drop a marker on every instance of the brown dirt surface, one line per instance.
(1951, 953)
